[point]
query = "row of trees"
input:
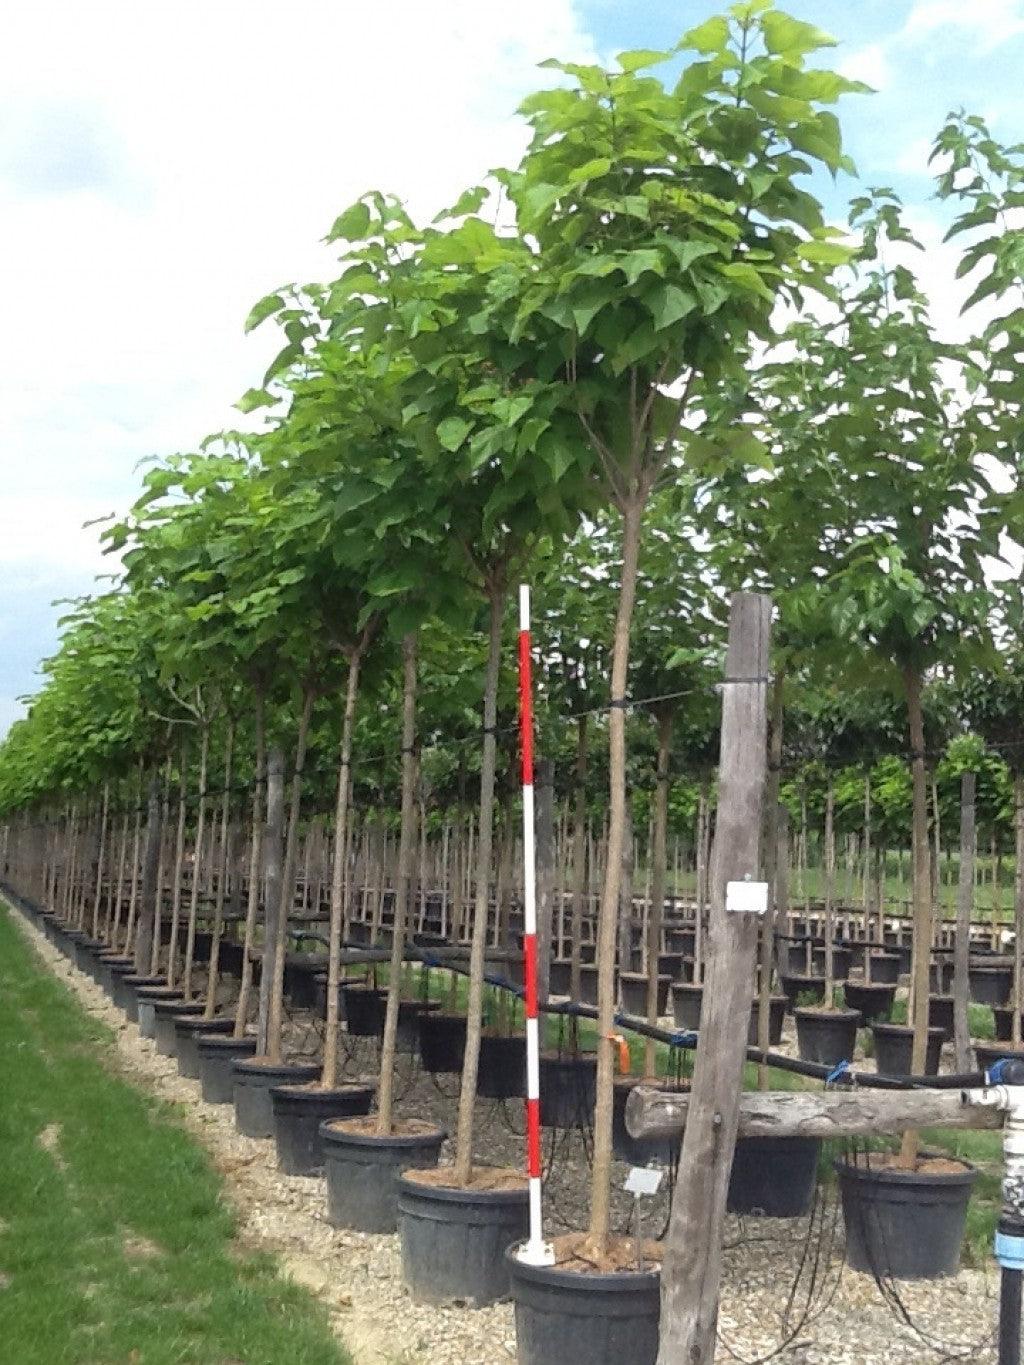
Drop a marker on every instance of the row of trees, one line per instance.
(583, 373)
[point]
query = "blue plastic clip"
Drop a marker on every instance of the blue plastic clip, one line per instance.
(837, 1073)
(1009, 1250)
(996, 1070)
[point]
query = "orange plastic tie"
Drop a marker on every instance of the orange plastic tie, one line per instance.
(625, 1060)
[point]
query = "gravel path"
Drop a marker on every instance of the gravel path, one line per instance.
(767, 1262)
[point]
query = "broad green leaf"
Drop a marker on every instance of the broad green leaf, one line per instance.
(353, 225)
(709, 37)
(452, 432)
(791, 38)
(640, 58)
(668, 303)
(265, 308)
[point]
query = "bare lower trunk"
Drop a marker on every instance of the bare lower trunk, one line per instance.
(1018, 904)
(830, 882)
(659, 857)
(273, 851)
(222, 878)
(148, 891)
(600, 1193)
(406, 841)
(467, 1095)
(770, 860)
(964, 907)
(193, 900)
(546, 853)
(100, 862)
(922, 895)
(255, 867)
(179, 864)
(579, 857)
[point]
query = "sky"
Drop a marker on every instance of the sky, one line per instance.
(163, 165)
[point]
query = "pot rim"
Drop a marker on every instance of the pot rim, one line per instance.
(337, 1136)
(451, 1194)
(613, 1282)
(875, 1175)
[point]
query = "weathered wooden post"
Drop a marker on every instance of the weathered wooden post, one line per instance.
(693, 1262)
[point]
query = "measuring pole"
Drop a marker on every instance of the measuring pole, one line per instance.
(535, 1251)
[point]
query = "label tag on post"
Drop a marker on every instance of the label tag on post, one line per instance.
(643, 1180)
(748, 898)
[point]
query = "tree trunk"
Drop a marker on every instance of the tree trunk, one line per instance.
(579, 856)
(600, 1195)
(830, 881)
(255, 869)
(406, 839)
(692, 1267)
(193, 901)
(222, 877)
(771, 867)
(100, 860)
(471, 1059)
(178, 866)
(273, 877)
(1018, 902)
(922, 943)
(148, 891)
(659, 857)
(339, 881)
(964, 907)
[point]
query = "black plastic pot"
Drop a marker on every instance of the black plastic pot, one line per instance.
(501, 1073)
(105, 960)
(641, 1151)
(904, 957)
(217, 1056)
(364, 1011)
(253, 1080)
(567, 1318)
(794, 986)
(988, 1054)
(362, 1171)
(990, 985)
(300, 971)
(119, 990)
(940, 1014)
(568, 1089)
(905, 1224)
(776, 1018)
(940, 977)
(131, 985)
(671, 965)
(166, 1011)
(299, 1112)
(873, 1000)
(147, 997)
(588, 985)
(559, 977)
(410, 1012)
(634, 994)
(826, 1036)
(454, 1241)
(686, 1001)
(774, 1177)
(442, 1043)
(894, 1045)
(187, 1031)
(1004, 1023)
(681, 941)
(840, 962)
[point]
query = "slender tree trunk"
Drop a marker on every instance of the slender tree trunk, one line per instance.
(830, 878)
(148, 892)
(179, 863)
(579, 857)
(329, 1076)
(273, 850)
(406, 841)
(255, 866)
(222, 878)
(600, 1195)
(1018, 903)
(964, 907)
(659, 856)
(922, 943)
(193, 902)
(100, 862)
(158, 903)
(770, 859)
(471, 1059)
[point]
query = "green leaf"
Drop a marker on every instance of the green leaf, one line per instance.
(590, 170)
(790, 38)
(669, 303)
(711, 36)
(826, 253)
(255, 398)
(353, 225)
(640, 58)
(452, 432)
(267, 307)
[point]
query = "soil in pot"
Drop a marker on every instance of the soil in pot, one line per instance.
(633, 986)
(187, 1030)
(894, 1045)
(253, 1080)
(362, 1168)
(501, 1073)
(825, 1036)
(872, 999)
(568, 1088)
(442, 1043)
(364, 1010)
(810, 987)
(217, 1057)
(642, 1151)
(905, 1224)
(573, 1314)
(686, 1000)
(299, 1113)
(454, 1240)
(774, 1177)
(166, 1011)
(776, 1018)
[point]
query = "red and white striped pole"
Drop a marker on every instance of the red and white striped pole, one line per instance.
(535, 1251)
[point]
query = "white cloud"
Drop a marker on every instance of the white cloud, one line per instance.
(990, 22)
(161, 167)
(869, 64)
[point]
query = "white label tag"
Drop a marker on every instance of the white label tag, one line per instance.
(643, 1180)
(750, 898)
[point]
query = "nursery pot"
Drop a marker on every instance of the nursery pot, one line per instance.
(776, 1017)
(501, 1073)
(131, 997)
(840, 962)
(904, 1224)
(642, 1151)
(885, 969)
(147, 997)
(299, 1110)
(165, 1012)
(686, 1000)
(568, 1090)
(988, 1054)
(940, 977)
(105, 964)
(990, 985)
(362, 1171)
(588, 985)
(217, 1055)
(634, 994)
(794, 987)
(1004, 1022)
(119, 990)
(940, 1014)
(187, 1030)
(364, 1010)
(774, 1176)
(410, 1012)
(826, 1036)
(872, 999)
(559, 978)
(253, 1080)
(442, 1043)
(564, 1317)
(894, 1045)
(454, 1241)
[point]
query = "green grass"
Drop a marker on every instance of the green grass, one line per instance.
(115, 1242)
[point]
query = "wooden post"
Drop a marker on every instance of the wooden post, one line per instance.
(964, 906)
(692, 1267)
